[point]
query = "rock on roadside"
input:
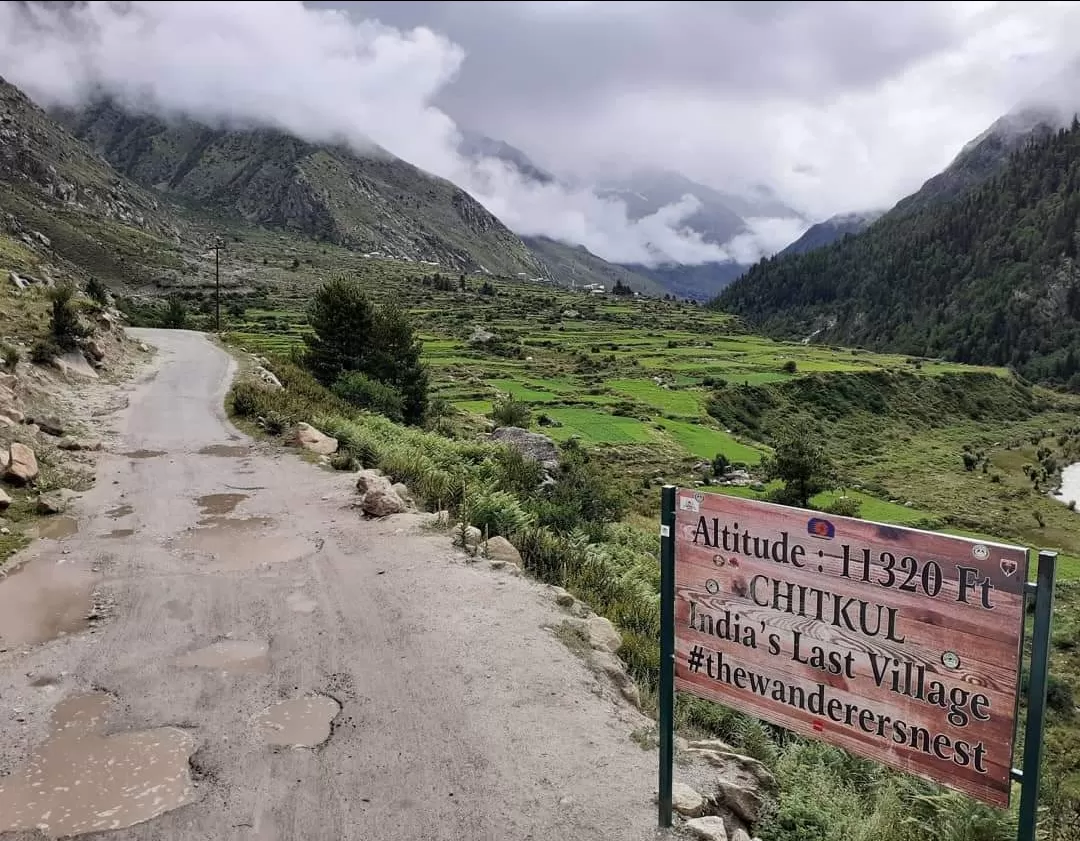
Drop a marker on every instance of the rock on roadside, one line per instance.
(311, 439)
(710, 828)
(5, 500)
(268, 378)
(56, 502)
(382, 502)
(22, 466)
(500, 549)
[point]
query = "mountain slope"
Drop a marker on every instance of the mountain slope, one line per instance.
(476, 146)
(983, 157)
(831, 230)
(989, 277)
(692, 282)
(373, 202)
(69, 207)
(575, 265)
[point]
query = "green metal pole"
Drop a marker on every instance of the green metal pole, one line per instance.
(1036, 713)
(667, 651)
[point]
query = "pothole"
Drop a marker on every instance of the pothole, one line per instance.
(119, 511)
(219, 504)
(298, 722)
(42, 600)
(144, 453)
(80, 781)
(230, 655)
(225, 450)
(116, 534)
(57, 528)
(297, 602)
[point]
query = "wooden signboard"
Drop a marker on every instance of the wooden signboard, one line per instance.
(900, 645)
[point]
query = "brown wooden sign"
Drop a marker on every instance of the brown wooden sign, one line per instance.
(900, 645)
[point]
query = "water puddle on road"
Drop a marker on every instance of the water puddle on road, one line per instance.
(144, 453)
(178, 610)
(242, 542)
(119, 511)
(219, 504)
(226, 450)
(81, 781)
(57, 528)
(299, 722)
(118, 533)
(43, 599)
(230, 655)
(297, 602)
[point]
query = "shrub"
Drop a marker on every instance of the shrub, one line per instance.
(790, 367)
(175, 316)
(97, 291)
(45, 351)
(720, 465)
(844, 506)
(365, 393)
(497, 513)
(9, 354)
(276, 423)
(252, 400)
(510, 412)
(64, 325)
(343, 460)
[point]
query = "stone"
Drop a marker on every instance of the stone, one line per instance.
(500, 549)
(709, 828)
(382, 502)
(48, 424)
(745, 768)
(480, 336)
(686, 801)
(22, 466)
(473, 535)
(741, 834)
(369, 480)
(532, 444)
(613, 667)
(93, 347)
(268, 378)
(602, 634)
(311, 439)
(744, 801)
(74, 364)
(563, 598)
(5, 460)
(506, 566)
(711, 745)
(7, 421)
(144, 347)
(402, 490)
(56, 502)
(76, 444)
(5, 500)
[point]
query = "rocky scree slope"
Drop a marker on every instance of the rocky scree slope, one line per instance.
(372, 202)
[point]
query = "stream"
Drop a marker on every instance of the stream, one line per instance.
(1070, 485)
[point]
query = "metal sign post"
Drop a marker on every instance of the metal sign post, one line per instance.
(1038, 672)
(667, 651)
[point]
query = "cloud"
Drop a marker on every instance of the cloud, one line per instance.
(322, 75)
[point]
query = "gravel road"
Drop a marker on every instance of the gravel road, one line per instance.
(227, 577)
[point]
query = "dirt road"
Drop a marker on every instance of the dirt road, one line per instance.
(230, 577)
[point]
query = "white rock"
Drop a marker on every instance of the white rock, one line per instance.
(311, 439)
(741, 834)
(602, 634)
(710, 828)
(500, 549)
(21, 465)
(382, 502)
(268, 378)
(473, 535)
(369, 480)
(74, 364)
(686, 801)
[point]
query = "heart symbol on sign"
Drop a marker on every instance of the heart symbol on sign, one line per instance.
(1008, 566)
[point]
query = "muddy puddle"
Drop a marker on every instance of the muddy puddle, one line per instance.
(219, 504)
(119, 511)
(43, 599)
(226, 450)
(298, 722)
(242, 542)
(230, 655)
(144, 453)
(80, 780)
(297, 602)
(115, 534)
(57, 528)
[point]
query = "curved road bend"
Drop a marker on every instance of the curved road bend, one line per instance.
(461, 717)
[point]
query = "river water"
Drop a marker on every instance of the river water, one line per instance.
(1070, 485)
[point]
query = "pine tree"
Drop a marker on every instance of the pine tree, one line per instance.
(343, 319)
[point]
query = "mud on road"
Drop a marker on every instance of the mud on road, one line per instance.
(200, 662)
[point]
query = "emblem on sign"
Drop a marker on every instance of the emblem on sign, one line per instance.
(950, 660)
(980, 551)
(817, 527)
(699, 496)
(688, 504)
(1008, 566)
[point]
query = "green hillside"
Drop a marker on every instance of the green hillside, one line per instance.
(990, 277)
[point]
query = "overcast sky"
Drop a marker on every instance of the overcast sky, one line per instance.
(835, 106)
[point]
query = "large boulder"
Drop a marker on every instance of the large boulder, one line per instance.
(311, 439)
(49, 424)
(22, 466)
(500, 549)
(76, 444)
(613, 667)
(268, 378)
(710, 828)
(382, 502)
(74, 364)
(473, 535)
(369, 480)
(532, 444)
(602, 634)
(56, 502)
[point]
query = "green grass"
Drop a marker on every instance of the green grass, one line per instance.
(672, 401)
(705, 441)
(596, 427)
